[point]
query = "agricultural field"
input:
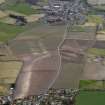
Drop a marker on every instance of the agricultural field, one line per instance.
(8, 73)
(92, 84)
(78, 28)
(90, 98)
(23, 8)
(42, 36)
(10, 70)
(94, 70)
(4, 89)
(96, 10)
(100, 7)
(8, 27)
(101, 36)
(24, 47)
(95, 19)
(92, 20)
(86, 31)
(96, 51)
(69, 76)
(38, 37)
(8, 32)
(2, 1)
(89, 35)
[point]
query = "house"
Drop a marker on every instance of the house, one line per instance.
(62, 11)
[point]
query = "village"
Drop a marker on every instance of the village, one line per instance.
(31, 29)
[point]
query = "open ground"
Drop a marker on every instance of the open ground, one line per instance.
(35, 39)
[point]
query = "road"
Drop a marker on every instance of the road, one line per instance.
(37, 74)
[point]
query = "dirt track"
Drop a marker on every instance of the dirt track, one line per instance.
(38, 65)
(37, 75)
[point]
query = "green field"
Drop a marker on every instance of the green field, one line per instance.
(23, 8)
(97, 52)
(9, 31)
(82, 28)
(92, 84)
(94, 19)
(100, 7)
(97, 10)
(78, 29)
(8, 74)
(90, 98)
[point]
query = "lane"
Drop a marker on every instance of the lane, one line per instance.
(37, 74)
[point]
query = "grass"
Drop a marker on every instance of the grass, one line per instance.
(90, 98)
(100, 7)
(8, 74)
(97, 52)
(9, 31)
(83, 28)
(86, 82)
(96, 10)
(4, 89)
(23, 8)
(102, 32)
(91, 84)
(77, 29)
(95, 19)
(9, 69)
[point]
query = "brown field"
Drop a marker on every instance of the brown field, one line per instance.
(94, 71)
(44, 38)
(37, 74)
(99, 44)
(33, 18)
(9, 71)
(2, 1)
(81, 35)
(70, 75)
(2, 14)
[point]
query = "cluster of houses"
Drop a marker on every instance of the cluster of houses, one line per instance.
(62, 11)
(52, 97)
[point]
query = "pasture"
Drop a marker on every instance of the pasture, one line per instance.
(90, 98)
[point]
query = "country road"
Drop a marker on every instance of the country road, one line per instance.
(37, 74)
